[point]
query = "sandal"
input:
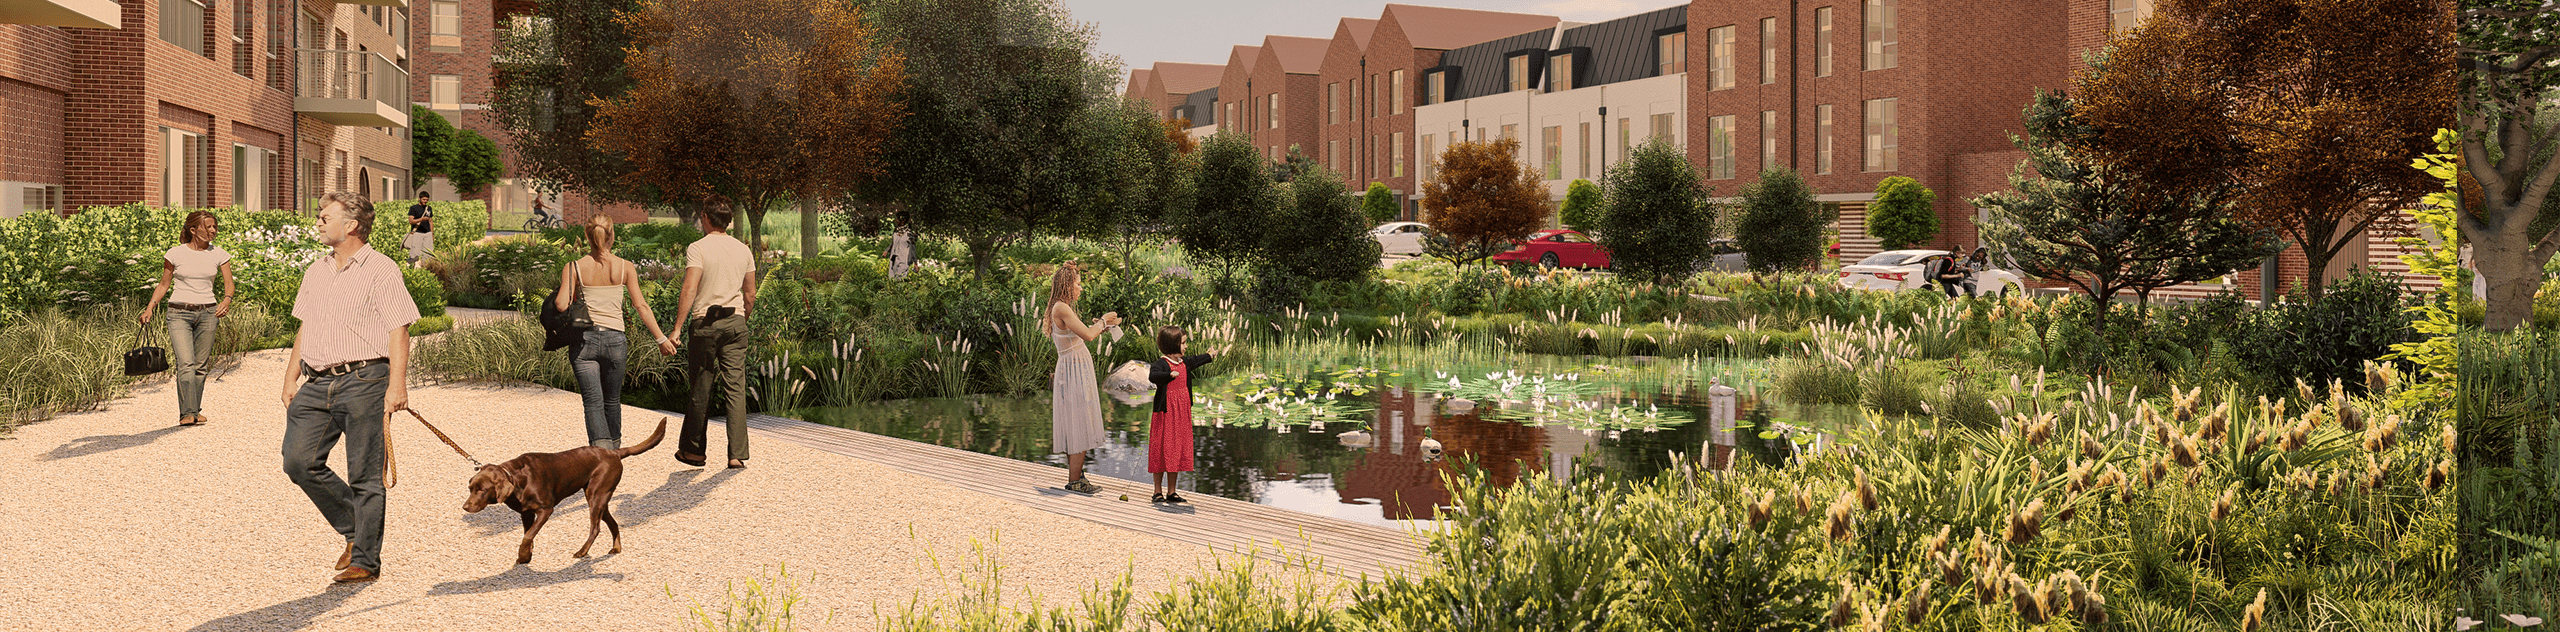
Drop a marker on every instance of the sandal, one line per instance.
(191, 420)
(1176, 499)
(1082, 486)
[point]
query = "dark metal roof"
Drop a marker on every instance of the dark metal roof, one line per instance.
(1203, 106)
(1622, 49)
(1480, 67)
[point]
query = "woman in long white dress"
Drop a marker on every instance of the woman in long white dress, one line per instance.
(1075, 400)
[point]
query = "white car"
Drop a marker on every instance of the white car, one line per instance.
(1894, 270)
(1400, 238)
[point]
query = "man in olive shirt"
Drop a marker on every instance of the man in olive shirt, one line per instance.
(719, 290)
(353, 349)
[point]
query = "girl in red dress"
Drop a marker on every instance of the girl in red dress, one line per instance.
(1169, 431)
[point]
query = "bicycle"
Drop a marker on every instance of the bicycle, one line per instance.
(539, 222)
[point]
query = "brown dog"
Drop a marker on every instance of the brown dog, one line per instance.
(534, 483)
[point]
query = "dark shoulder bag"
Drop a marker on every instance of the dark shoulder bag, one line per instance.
(144, 360)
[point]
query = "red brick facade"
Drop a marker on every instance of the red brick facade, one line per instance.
(481, 24)
(1287, 68)
(1406, 39)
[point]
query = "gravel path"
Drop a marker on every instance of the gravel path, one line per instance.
(119, 519)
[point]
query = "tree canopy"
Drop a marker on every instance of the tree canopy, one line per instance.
(1483, 200)
(1581, 204)
(1779, 226)
(1653, 215)
(1901, 215)
(1234, 201)
(2508, 147)
(466, 159)
(551, 74)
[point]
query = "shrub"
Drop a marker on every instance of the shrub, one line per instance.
(1317, 235)
(425, 290)
(80, 261)
(1654, 218)
(489, 274)
(1779, 225)
(1900, 216)
(1581, 203)
(2329, 337)
(1378, 205)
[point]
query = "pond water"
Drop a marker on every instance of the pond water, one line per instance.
(1390, 479)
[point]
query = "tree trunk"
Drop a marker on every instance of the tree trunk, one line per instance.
(755, 228)
(982, 252)
(2320, 244)
(2507, 264)
(809, 226)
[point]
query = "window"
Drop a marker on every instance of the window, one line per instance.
(444, 92)
(1822, 42)
(446, 30)
(1430, 154)
(1369, 108)
(1626, 137)
(1719, 147)
(1231, 113)
(31, 198)
(1356, 112)
(1768, 50)
(183, 24)
(244, 21)
(1662, 129)
(1582, 150)
(1553, 144)
(249, 177)
(1720, 56)
(1271, 113)
(2123, 15)
(1434, 87)
(1516, 76)
(1510, 131)
(1333, 155)
(1332, 103)
(1396, 148)
(1560, 73)
(1768, 140)
(1883, 39)
(186, 169)
(1822, 139)
(1883, 136)
(1395, 92)
(1671, 53)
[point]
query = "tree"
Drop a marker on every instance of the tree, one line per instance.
(1901, 215)
(2315, 107)
(2510, 153)
(1581, 202)
(1319, 235)
(1779, 226)
(1654, 216)
(2092, 226)
(550, 73)
(1008, 122)
(1482, 200)
(1379, 205)
(463, 157)
(1235, 201)
(1150, 176)
(753, 102)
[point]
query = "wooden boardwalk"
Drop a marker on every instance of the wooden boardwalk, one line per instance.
(1346, 547)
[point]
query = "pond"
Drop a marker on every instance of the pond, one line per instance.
(1385, 474)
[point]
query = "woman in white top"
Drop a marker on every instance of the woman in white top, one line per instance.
(194, 313)
(1075, 401)
(600, 281)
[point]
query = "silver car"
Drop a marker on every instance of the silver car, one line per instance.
(1894, 270)
(1400, 238)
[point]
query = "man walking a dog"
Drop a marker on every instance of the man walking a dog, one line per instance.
(351, 358)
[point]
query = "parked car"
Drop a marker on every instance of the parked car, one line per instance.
(1400, 238)
(1557, 248)
(1723, 256)
(1908, 269)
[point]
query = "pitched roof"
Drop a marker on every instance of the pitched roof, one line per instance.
(1243, 57)
(1186, 78)
(1138, 78)
(1297, 55)
(1360, 29)
(1444, 28)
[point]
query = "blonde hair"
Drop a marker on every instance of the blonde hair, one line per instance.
(1066, 277)
(600, 233)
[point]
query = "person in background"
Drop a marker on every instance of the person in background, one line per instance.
(194, 313)
(352, 355)
(422, 239)
(719, 292)
(1974, 266)
(600, 281)
(1075, 399)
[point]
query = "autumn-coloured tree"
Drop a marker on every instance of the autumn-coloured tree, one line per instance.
(1178, 132)
(2314, 107)
(1482, 200)
(755, 102)
(2076, 221)
(2510, 152)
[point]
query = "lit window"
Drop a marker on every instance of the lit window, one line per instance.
(1883, 38)
(1517, 77)
(1768, 140)
(1720, 56)
(1553, 142)
(1719, 147)
(1560, 73)
(1883, 136)
(1822, 139)
(1671, 53)
(1768, 50)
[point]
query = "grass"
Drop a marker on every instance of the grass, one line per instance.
(510, 349)
(58, 361)
(764, 604)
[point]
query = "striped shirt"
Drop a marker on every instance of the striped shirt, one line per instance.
(348, 314)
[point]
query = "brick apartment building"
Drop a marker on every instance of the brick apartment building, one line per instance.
(1577, 96)
(1380, 85)
(1272, 95)
(260, 104)
(1180, 91)
(455, 75)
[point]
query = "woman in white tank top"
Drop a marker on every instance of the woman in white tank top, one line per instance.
(601, 281)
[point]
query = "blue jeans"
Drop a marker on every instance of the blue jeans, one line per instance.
(598, 359)
(326, 408)
(191, 355)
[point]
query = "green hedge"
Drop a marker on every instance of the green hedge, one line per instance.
(110, 255)
(456, 223)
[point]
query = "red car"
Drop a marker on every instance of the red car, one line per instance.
(1554, 248)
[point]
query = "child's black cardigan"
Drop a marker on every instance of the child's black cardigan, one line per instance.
(1161, 374)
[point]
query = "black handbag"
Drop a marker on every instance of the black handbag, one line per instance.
(143, 360)
(563, 327)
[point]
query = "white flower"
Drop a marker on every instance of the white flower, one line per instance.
(2521, 621)
(2464, 624)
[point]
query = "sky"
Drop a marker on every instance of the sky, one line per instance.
(1143, 32)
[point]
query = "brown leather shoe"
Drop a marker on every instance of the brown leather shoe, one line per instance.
(348, 557)
(191, 420)
(695, 460)
(737, 464)
(354, 575)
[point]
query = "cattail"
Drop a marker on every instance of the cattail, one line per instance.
(2375, 471)
(2041, 430)
(1846, 607)
(1871, 619)
(2448, 439)
(2079, 475)
(2217, 423)
(2035, 469)
(2030, 601)
(2297, 437)
(2024, 526)
(1866, 492)
(2089, 447)
(2192, 475)
(2337, 481)
(2093, 609)
(2151, 475)
(2110, 477)
(2437, 475)
(2183, 450)
(2256, 440)
(1915, 608)
(2222, 508)
(2373, 378)
(1836, 521)
(1804, 502)
(2383, 435)
(1950, 568)
(2350, 418)
(2304, 389)
(2070, 508)
(2256, 614)
(1760, 511)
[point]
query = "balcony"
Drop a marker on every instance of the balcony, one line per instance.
(351, 88)
(379, 3)
(92, 14)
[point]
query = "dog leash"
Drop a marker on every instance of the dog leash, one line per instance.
(391, 460)
(448, 441)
